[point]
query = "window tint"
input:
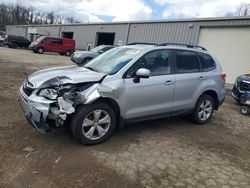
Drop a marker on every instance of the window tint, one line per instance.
(56, 41)
(45, 41)
(106, 49)
(187, 62)
(158, 62)
(207, 63)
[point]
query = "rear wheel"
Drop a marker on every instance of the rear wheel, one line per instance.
(12, 45)
(204, 109)
(93, 124)
(68, 53)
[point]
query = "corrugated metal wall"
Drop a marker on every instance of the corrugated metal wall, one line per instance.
(88, 33)
(49, 30)
(179, 32)
(163, 32)
(17, 30)
(186, 31)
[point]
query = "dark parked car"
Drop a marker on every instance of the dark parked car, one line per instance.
(82, 57)
(13, 41)
(1, 40)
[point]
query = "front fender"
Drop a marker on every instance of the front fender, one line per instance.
(99, 90)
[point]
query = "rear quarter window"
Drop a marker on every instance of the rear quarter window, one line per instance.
(207, 62)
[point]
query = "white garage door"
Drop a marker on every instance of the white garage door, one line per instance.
(231, 46)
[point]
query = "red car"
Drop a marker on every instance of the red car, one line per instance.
(62, 46)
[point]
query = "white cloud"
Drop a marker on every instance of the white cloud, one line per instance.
(120, 10)
(91, 10)
(198, 8)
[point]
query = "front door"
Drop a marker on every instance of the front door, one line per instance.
(153, 95)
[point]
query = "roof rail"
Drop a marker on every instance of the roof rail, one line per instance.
(143, 43)
(180, 44)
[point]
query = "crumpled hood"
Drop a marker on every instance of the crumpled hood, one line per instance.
(67, 74)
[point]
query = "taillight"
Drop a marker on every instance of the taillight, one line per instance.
(223, 75)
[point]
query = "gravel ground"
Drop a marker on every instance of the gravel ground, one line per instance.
(165, 153)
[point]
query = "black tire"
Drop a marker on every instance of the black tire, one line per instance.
(40, 50)
(82, 113)
(12, 45)
(86, 60)
(68, 53)
(198, 109)
(245, 110)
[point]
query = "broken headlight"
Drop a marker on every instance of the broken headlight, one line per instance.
(48, 93)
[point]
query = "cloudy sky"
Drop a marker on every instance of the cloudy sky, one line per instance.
(128, 10)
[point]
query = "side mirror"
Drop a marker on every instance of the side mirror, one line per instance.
(101, 51)
(141, 73)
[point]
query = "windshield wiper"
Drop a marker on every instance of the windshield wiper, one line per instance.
(90, 68)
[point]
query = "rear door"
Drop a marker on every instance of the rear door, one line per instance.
(57, 45)
(189, 80)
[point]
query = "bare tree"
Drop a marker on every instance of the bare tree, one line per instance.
(51, 17)
(19, 15)
(59, 19)
(243, 9)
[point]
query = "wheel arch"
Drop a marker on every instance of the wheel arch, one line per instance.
(38, 47)
(214, 95)
(114, 104)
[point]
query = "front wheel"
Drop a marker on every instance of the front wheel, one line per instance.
(93, 124)
(40, 50)
(204, 109)
(86, 60)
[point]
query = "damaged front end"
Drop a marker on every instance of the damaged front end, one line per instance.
(51, 104)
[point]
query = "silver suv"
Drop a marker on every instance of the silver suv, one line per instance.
(125, 84)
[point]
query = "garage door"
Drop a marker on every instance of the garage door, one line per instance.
(231, 46)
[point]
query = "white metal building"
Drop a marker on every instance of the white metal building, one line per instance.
(228, 37)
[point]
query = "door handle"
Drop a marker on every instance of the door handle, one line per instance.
(169, 82)
(201, 78)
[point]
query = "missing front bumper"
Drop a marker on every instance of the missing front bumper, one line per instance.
(36, 112)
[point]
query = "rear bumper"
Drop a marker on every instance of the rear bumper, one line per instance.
(36, 111)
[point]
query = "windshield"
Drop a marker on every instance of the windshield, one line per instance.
(113, 60)
(40, 39)
(96, 49)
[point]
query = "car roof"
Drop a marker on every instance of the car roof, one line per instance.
(140, 46)
(169, 46)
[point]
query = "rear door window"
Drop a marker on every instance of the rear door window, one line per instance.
(207, 63)
(187, 62)
(56, 41)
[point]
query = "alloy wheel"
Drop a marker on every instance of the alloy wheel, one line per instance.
(96, 124)
(205, 110)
